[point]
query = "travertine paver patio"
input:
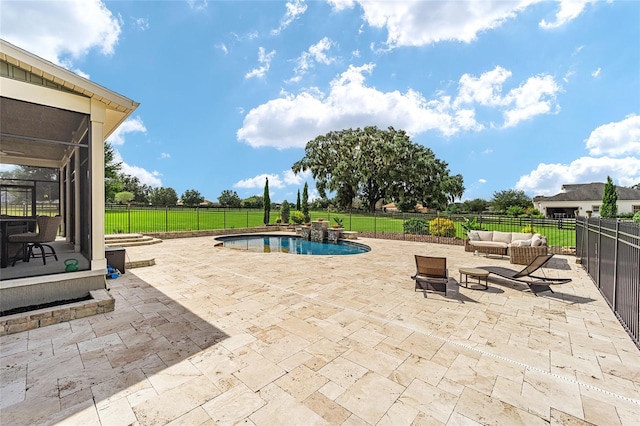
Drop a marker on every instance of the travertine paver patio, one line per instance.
(213, 336)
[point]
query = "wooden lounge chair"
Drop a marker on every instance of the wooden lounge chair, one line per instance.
(537, 284)
(431, 273)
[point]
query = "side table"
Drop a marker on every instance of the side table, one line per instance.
(475, 273)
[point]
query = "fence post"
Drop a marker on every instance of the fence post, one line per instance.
(198, 218)
(375, 227)
(615, 268)
(166, 218)
(598, 245)
(128, 218)
(247, 218)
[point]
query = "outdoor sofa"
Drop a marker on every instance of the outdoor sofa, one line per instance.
(521, 247)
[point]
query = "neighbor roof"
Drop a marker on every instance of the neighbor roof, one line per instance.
(589, 192)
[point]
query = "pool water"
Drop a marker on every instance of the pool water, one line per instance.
(290, 244)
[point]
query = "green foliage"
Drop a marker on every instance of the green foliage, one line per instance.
(305, 202)
(636, 217)
(515, 211)
(267, 202)
(253, 202)
(297, 217)
(285, 211)
(163, 197)
(191, 197)
(442, 227)
(229, 198)
(405, 205)
(609, 208)
(298, 205)
(528, 230)
(112, 184)
(339, 221)
(477, 205)
(534, 213)
(502, 200)
(416, 226)
(124, 197)
(472, 225)
(132, 184)
(375, 164)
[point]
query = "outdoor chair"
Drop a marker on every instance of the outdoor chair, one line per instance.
(47, 231)
(537, 284)
(431, 274)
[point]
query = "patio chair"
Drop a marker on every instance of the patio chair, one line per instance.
(431, 273)
(47, 231)
(537, 284)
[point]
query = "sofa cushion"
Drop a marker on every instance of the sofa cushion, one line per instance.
(488, 244)
(536, 240)
(520, 236)
(520, 243)
(501, 237)
(485, 235)
(473, 236)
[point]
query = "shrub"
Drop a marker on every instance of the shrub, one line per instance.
(442, 227)
(416, 226)
(297, 217)
(339, 221)
(528, 230)
(285, 211)
(472, 225)
(515, 211)
(636, 217)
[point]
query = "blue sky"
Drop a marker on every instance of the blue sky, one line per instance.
(524, 95)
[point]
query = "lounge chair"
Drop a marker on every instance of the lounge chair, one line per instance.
(537, 284)
(431, 273)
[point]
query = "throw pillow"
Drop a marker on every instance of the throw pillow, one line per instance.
(536, 240)
(543, 241)
(473, 236)
(521, 243)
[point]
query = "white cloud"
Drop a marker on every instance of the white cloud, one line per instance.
(535, 97)
(596, 73)
(295, 8)
(146, 177)
(482, 180)
(165, 155)
(265, 60)
(222, 47)
(60, 31)
(418, 23)
(315, 54)
(198, 4)
(568, 75)
(606, 144)
(547, 179)
(291, 178)
(569, 10)
(130, 125)
(258, 182)
(616, 139)
(351, 103)
(141, 24)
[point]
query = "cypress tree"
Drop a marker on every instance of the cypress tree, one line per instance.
(298, 201)
(305, 203)
(609, 206)
(267, 202)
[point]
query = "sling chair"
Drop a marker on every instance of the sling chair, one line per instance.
(431, 273)
(537, 284)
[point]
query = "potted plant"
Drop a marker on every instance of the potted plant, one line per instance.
(339, 223)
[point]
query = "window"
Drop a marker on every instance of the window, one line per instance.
(595, 209)
(635, 209)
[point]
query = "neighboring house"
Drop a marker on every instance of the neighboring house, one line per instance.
(583, 198)
(53, 118)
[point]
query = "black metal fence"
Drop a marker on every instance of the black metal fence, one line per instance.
(560, 233)
(610, 252)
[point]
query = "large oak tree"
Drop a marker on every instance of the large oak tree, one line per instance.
(376, 164)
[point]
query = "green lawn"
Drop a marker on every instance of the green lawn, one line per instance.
(183, 219)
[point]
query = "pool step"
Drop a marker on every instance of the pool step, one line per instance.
(129, 240)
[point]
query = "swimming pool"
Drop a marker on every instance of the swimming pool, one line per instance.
(290, 244)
